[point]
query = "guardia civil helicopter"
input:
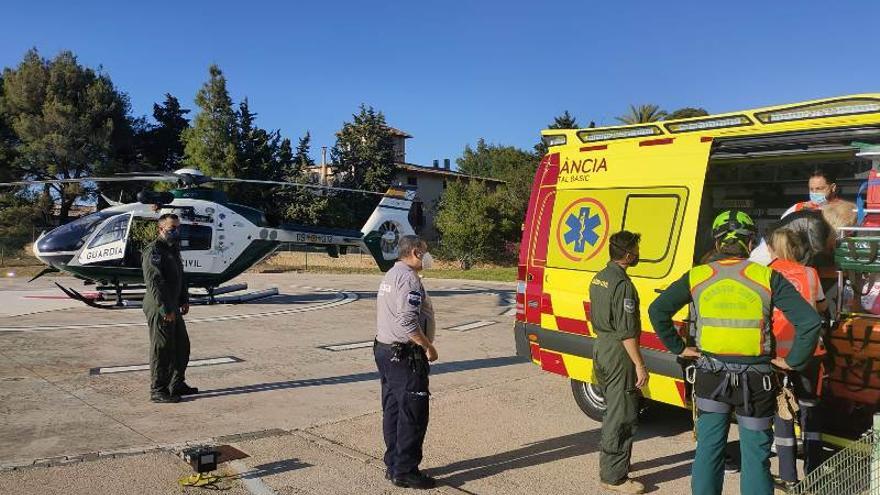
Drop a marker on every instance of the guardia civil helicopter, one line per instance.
(218, 239)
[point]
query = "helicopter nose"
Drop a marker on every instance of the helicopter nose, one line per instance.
(36, 247)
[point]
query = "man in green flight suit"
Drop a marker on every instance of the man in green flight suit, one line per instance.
(165, 302)
(733, 301)
(618, 366)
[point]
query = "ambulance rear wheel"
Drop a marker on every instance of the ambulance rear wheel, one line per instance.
(589, 398)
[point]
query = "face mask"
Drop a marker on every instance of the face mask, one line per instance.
(427, 261)
(818, 198)
(172, 235)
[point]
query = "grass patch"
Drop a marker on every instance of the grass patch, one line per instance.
(496, 274)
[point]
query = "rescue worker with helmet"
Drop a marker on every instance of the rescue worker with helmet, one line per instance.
(733, 301)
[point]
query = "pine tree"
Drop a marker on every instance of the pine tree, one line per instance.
(303, 205)
(686, 113)
(211, 142)
(564, 121)
(69, 122)
(363, 158)
(164, 149)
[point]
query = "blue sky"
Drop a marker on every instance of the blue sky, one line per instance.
(454, 71)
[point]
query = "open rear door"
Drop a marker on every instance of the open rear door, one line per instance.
(108, 243)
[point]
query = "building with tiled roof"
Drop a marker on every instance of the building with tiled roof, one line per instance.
(430, 182)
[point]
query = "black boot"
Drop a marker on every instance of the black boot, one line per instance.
(161, 398)
(184, 389)
(414, 480)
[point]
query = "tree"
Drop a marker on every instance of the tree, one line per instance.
(687, 112)
(467, 219)
(363, 158)
(69, 121)
(304, 205)
(564, 121)
(514, 166)
(8, 143)
(642, 114)
(162, 144)
(211, 143)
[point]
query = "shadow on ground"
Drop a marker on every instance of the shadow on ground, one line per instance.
(664, 422)
(271, 468)
(437, 369)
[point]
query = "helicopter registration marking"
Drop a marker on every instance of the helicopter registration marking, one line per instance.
(314, 238)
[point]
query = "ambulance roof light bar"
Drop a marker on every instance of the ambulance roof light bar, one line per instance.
(554, 140)
(591, 136)
(706, 124)
(837, 108)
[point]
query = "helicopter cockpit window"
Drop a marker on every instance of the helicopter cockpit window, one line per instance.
(71, 236)
(195, 237)
(112, 232)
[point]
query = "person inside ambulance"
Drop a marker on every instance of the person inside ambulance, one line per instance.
(817, 230)
(733, 301)
(802, 395)
(823, 190)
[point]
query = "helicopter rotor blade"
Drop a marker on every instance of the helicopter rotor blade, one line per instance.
(292, 184)
(86, 179)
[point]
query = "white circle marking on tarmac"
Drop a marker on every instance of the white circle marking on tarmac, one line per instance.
(342, 297)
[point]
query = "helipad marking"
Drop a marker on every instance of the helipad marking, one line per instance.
(347, 347)
(472, 325)
(342, 297)
(143, 367)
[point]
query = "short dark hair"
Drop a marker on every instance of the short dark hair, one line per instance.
(621, 243)
(828, 176)
(408, 243)
(168, 216)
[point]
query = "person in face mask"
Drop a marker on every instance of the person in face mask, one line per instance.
(618, 367)
(166, 301)
(823, 190)
(403, 350)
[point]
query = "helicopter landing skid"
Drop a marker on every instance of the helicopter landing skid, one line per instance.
(214, 296)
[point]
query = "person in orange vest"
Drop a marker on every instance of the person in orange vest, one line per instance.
(787, 248)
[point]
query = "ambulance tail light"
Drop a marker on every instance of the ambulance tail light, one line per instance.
(521, 293)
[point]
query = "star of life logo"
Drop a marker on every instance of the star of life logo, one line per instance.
(582, 229)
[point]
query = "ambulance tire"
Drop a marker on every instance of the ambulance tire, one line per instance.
(589, 398)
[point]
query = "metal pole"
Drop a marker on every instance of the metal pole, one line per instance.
(875, 457)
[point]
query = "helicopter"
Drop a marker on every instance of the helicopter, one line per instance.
(219, 239)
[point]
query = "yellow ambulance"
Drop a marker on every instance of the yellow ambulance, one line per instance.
(666, 180)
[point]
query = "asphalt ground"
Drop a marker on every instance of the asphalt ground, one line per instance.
(75, 416)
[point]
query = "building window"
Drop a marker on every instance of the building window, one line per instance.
(413, 181)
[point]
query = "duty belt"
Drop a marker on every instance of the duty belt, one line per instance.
(409, 351)
(734, 377)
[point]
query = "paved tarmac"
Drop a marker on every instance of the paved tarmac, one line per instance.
(75, 416)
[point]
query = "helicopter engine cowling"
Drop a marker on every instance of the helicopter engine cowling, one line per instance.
(155, 197)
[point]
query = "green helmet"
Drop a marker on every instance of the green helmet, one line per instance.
(733, 225)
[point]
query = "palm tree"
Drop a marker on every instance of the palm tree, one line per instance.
(642, 114)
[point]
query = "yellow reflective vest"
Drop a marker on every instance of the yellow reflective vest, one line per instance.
(733, 308)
